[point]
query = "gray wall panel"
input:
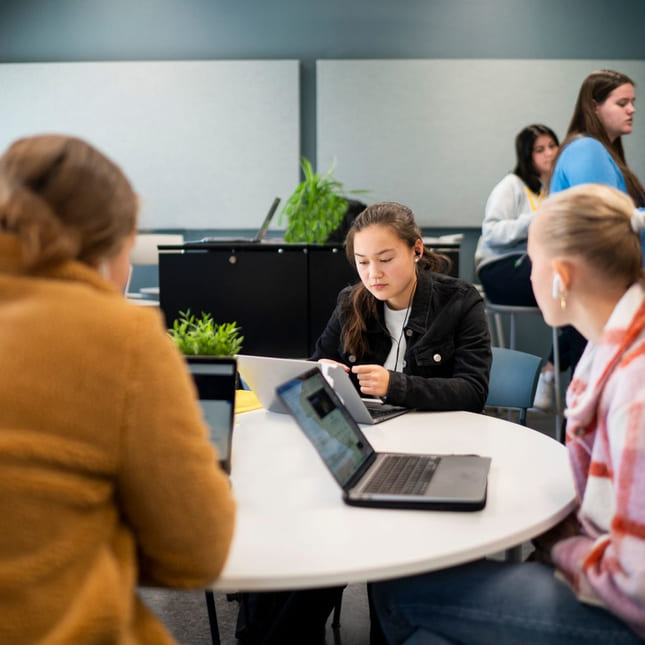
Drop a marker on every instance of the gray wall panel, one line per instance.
(437, 135)
(206, 144)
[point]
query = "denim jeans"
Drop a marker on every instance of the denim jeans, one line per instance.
(492, 602)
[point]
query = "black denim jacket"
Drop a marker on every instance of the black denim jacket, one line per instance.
(448, 356)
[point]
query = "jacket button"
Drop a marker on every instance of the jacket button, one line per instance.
(351, 358)
(437, 358)
(404, 364)
(408, 332)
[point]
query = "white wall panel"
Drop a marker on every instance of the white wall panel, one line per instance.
(206, 144)
(437, 135)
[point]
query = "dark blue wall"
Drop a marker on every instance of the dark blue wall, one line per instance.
(74, 30)
(122, 29)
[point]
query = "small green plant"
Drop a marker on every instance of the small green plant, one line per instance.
(202, 336)
(316, 207)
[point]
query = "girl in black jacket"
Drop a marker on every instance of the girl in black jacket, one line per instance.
(407, 332)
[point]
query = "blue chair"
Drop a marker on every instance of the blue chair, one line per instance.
(495, 313)
(512, 384)
(513, 380)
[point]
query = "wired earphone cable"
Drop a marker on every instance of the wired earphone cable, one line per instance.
(405, 322)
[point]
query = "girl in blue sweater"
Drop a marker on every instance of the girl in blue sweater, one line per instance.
(592, 153)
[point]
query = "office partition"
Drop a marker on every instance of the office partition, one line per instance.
(206, 144)
(437, 135)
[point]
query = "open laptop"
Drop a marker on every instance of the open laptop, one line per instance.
(215, 381)
(363, 410)
(368, 478)
(259, 236)
(264, 373)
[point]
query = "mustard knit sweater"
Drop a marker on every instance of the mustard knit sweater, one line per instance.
(107, 478)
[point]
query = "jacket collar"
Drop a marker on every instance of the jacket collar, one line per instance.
(422, 302)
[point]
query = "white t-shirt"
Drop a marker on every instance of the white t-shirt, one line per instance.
(395, 319)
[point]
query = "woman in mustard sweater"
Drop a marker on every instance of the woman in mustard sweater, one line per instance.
(107, 477)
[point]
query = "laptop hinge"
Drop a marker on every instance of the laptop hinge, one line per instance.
(358, 475)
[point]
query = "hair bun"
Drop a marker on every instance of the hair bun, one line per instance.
(638, 221)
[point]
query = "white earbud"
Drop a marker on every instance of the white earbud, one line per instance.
(557, 285)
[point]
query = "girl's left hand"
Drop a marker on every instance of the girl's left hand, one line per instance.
(543, 543)
(373, 380)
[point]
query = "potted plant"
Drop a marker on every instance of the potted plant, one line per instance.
(316, 208)
(202, 336)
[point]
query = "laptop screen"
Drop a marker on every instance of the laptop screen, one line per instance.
(215, 381)
(267, 220)
(327, 424)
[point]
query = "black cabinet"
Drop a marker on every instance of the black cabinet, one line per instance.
(263, 289)
(281, 295)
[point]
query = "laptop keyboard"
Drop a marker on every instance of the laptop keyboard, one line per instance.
(378, 410)
(403, 474)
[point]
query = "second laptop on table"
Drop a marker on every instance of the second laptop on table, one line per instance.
(263, 374)
(215, 379)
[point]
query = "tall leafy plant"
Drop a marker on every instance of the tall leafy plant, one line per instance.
(202, 336)
(316, 207)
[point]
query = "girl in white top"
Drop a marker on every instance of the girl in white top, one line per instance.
(501, 262)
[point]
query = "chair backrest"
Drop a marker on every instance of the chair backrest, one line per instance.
(144, 260)
(513, 380)
(145, 249)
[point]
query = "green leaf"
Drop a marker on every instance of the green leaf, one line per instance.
(202, 336)
(316, 207)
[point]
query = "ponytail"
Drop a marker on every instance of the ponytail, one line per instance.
(599, 224)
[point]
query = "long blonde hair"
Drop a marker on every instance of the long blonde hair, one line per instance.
(64, 200)
(594, 222)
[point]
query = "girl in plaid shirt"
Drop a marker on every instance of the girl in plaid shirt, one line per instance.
(585, 582)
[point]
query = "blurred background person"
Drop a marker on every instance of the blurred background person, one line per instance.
(107, 478)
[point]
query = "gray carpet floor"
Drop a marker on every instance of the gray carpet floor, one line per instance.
(184, 613)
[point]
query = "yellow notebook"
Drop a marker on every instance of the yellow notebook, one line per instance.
(246, 401)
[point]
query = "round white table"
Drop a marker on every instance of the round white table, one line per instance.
(293, 530)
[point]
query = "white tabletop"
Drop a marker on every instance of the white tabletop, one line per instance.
(294, 531)
(138, 299)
